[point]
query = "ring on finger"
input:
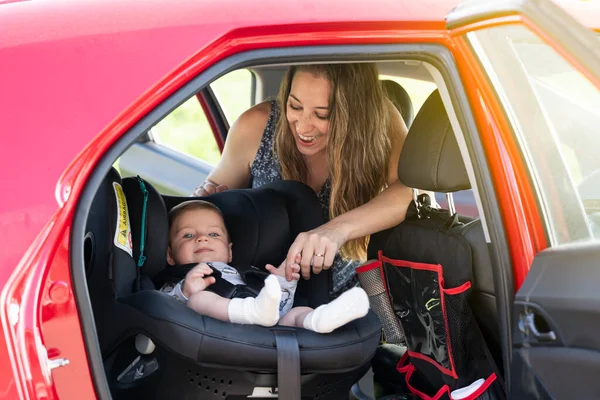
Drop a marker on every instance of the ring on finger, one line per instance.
(319, 255)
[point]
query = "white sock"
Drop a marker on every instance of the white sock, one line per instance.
(351, 305)
(261, 310)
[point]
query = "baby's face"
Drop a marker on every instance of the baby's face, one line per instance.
(198, 236)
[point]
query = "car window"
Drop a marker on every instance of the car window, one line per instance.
(464, 202)
(554, 113)
(187, 130)
(418, 90)
(234, 93)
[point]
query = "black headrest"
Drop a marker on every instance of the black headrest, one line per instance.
(107, 244)
(396, 93)
(430, 158)
(156, 231)
(262, 222)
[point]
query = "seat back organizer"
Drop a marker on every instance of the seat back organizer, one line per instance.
(421, 277)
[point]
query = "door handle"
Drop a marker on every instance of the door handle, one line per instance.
(527, 325)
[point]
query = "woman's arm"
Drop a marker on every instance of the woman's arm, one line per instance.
(243, 139)
(384, 211)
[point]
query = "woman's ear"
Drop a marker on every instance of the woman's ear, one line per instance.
(170, 259)
(230, 252)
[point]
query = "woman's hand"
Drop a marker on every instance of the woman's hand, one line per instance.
(317, 248)
(286, 271)
(207, 188)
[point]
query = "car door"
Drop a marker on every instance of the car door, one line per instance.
(544, 72)
(179, 152)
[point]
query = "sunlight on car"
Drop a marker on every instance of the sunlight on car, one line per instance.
(418, 90)
(234, 93)
(187, 130)
(554, 112)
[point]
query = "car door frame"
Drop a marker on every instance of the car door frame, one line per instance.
(215, 115)
(540, 335)
(435, 51)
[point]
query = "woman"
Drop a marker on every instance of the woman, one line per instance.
(332, 128)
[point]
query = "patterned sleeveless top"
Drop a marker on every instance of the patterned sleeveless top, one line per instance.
(266, 168)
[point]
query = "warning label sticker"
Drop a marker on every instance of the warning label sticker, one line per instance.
(123, 231)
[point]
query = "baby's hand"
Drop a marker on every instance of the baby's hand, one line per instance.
(294, 269)
(196, 279)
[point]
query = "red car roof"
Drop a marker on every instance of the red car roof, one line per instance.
(68, 68)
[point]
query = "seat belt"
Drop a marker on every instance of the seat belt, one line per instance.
(288, 364)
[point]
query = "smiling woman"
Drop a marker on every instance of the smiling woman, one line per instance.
(333, 129)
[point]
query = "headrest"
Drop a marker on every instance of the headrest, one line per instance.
(262, 222)
(430, 158)
(154, 224)
(107, 243)
(396, 93)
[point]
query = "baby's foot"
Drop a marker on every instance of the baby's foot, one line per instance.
(351, 305)
(266, 306)
(262, 310)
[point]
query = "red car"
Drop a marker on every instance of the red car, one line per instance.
(84, 85)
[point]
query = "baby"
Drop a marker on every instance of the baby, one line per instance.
(197, 234)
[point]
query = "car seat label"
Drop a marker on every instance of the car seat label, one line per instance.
(123, 230)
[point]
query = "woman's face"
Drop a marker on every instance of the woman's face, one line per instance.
(308, 111)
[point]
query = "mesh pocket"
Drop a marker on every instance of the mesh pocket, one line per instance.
(467, 342)
(370, 280)
(460, 320)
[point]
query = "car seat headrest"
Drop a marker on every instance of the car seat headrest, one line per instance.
(149, 225)
(430, 158)
(262, 222)
(399, 96)
(107, 244)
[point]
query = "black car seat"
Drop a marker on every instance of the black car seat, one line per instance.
(156, 347)
(431, 160)
(399, 96)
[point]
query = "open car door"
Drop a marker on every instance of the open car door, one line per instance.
(542, 71)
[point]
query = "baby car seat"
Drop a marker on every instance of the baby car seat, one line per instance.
(156, 347)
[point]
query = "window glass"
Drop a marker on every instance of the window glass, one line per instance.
(418, 90)
(464, 202)
(554, 113)
(234, 93)
(187, 130)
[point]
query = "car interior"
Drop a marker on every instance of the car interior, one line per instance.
(153, 346)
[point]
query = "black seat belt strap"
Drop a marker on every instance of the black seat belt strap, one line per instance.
(288, 364)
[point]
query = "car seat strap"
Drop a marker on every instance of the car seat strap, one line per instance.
(142, 257)
(288, 364)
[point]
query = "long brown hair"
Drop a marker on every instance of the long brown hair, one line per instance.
(358, 146)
